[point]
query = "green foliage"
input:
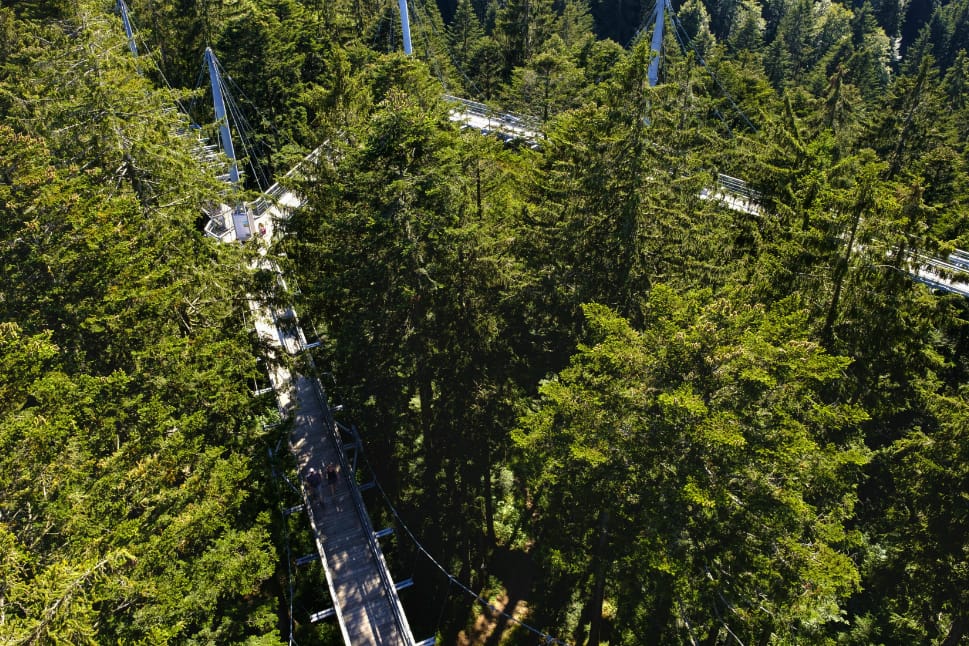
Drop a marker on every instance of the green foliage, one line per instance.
(403, 258)
(919, 521)
(707, 437)
(521, 27)
(550, 83)
(686, 463)
(129, 481)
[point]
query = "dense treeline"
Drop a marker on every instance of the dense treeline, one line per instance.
(629, 412)
(132, 484)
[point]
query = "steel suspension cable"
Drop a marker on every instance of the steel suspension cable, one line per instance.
(452, 579)
(422, 20)
(677, 25)
(683, 48)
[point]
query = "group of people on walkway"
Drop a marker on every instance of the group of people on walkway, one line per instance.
(314, 481)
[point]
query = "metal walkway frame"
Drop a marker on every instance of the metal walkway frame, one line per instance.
(366, 604)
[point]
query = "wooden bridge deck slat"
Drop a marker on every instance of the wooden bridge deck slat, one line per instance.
(366, 608)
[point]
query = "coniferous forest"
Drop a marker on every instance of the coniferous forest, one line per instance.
(617, 410)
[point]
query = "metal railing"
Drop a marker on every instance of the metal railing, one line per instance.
(390, 590)
(518, 125)
(739, 187)
(272, 194)
(960, 259)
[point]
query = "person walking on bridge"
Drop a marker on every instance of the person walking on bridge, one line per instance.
(314, 482)
(331, 478)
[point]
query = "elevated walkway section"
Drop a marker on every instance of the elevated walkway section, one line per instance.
(365, 600)
(275, 204)
(734, 194)
(950, 275)
(366, 604)
(504, 125)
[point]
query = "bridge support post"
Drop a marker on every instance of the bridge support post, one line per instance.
(241, 217)
(405, 25)
(129, 32)
(656, 44)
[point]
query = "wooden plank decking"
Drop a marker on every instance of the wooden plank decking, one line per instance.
(364, 597)
(365, 600)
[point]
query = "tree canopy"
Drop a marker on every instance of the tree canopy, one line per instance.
(616, 393)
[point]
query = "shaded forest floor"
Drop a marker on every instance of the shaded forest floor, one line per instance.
(514, 569)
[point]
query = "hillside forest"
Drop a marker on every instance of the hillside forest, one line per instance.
(617, 410)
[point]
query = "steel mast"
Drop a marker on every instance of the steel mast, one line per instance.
(126, 21)
(241, 218)
(656, 44)
(404, 25)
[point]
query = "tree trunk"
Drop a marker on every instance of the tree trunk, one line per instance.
(601, 565)
(842, 269)
(662, 607)
(489, 503)
(478, 200)
(956, 631)
(425, 392)
(914, 100)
